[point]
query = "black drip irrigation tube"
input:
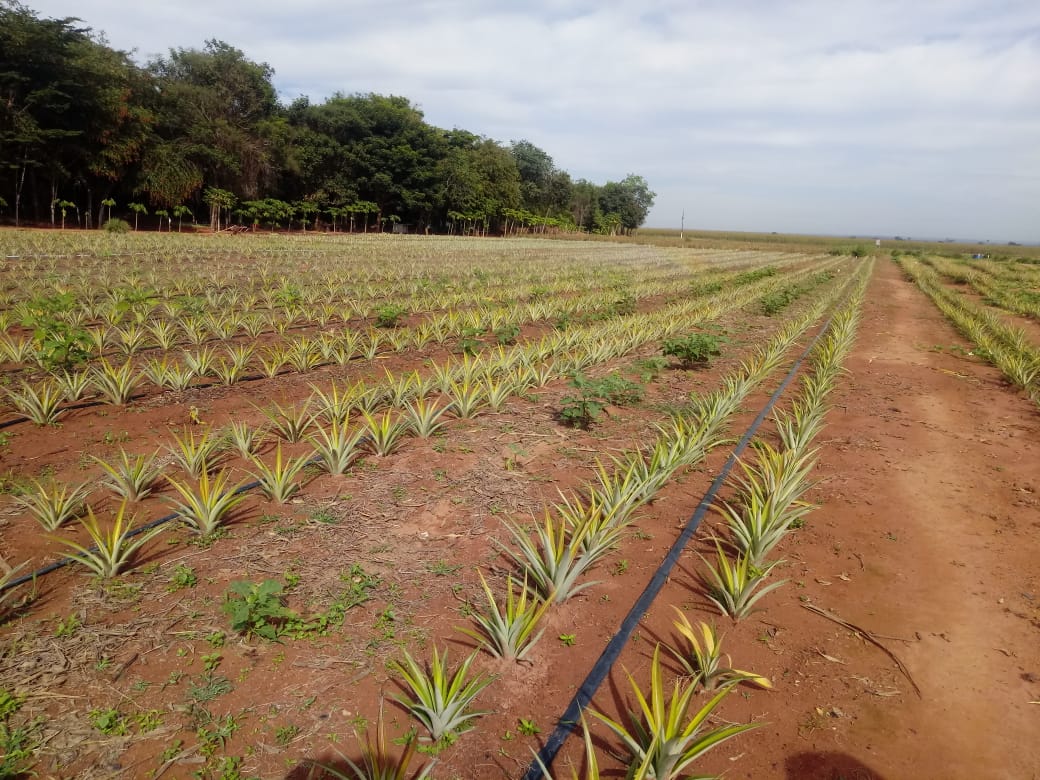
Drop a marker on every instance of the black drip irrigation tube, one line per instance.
(572, 716)
(62, 563)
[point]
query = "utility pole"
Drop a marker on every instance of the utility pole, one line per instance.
(682, 225)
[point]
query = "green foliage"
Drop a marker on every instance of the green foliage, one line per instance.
(581, 410)
(650, 367)
(117, 225)
(507, 334)
(18, 741)
(257, 608)
(754, 275)
(109, 722)
(183, 577)
(389, 315)
(693, 350)
(59, 344)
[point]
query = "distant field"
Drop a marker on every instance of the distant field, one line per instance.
(792, 242)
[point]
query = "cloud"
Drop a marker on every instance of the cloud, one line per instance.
(805, 115)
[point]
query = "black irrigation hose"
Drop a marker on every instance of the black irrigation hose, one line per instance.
(139, 530)
(571, 717)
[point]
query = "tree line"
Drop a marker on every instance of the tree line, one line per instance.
(200, 134)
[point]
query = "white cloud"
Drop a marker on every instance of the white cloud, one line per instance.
(805, 115)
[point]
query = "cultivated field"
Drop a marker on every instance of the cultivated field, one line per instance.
(303, 482)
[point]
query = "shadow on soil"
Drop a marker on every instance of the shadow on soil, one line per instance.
(828, 766)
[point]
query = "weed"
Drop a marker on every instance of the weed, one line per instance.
(696, 349)
(528, 727)
(441, 569)
(183, 577)
(283, 735)
(209, 687)
(389, 315)
(109, 722)
(257, 608)
(67, 627)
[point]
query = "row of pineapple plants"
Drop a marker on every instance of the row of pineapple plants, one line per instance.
(578, 531)
(471, 386)
(191, 447)
(1003, 345)
(1014, 290)
(215, 281)
(130, 321)
(117, 383)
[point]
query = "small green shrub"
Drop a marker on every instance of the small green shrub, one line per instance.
(650, 367)
(389, 316)
(624, 305)
(470, 341)
(116, 225)
(705, 288)
(507, 334)
(257, 608)
(694, 349)
(581, 410)
(755, 275)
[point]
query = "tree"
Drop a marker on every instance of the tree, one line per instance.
(215, 109)
(218, 201)
(372, 148)
(138, 209)
(64, 206)
(476, 176)
(70, 110)
(106, 204)
(631, 199)
(180, 212)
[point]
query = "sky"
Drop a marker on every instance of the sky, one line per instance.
(918, 118)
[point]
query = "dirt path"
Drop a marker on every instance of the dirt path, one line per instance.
(928, 536)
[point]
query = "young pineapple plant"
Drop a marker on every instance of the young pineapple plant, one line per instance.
(290, 423)
(385, 433)
(333, 406)
(196, 455)
(278, 481)
(41, 404)
(73, 384)
(735, 586)
(131, 479)
(116, 384)
(669, 734)
(700, 654)
(337, 448)
(114, 548)
(206, 506)
(378, 761)
(467, 398)
(12, 598)
(554, 560)
(509, 630)
(52, 505)
(245, 439)
(425, 417)
(440, 699)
